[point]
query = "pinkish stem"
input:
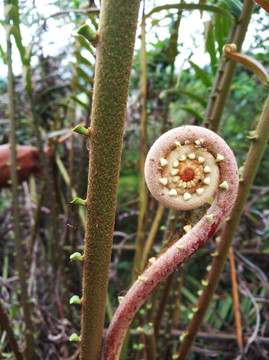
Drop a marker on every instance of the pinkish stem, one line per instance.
(180, 251)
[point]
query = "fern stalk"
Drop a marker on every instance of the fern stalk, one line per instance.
(194, 238)
(226, 71)
(114, 48)
(143, 152)
(237, 316)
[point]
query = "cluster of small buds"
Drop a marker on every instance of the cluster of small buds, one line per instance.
(186, 173)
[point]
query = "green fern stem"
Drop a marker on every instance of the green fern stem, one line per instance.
(114, 48)
(226, 71)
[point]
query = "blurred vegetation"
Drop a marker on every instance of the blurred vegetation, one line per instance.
(62, 75)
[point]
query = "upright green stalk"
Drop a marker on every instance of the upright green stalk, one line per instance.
(115, 47)
(143, 151)
(226, 71)
(30, 346)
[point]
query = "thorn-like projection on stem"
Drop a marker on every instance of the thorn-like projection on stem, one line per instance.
(187, 228)
(182, 336)
(89, 34)
(192, 177)
(219, 158)
(75, 300)
(79, 129)
(76, 256)
(163, 162)
(214, 254)
(187, 196)
(152, 260)
(78, 201)
(209, 217)
(74, 337)
(224, 185)
(163, 181)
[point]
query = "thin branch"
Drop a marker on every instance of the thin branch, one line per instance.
(73, 11)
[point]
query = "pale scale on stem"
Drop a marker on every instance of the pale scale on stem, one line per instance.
(196, 154)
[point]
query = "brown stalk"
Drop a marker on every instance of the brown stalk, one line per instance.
(238, 324)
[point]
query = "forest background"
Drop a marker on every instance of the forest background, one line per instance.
(50, 72)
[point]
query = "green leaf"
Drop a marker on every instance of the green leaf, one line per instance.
(81, 103)
(11, 29)
(193, 112)
(235, 7)
(210, 45)
(3, 55)
(83, 73)
(27, 79)
(28, 54)
(202, 74)
(189, 295)
(224, 307)
(222, 27)
(190, 95)
(83, 60)
(84, 43)
(49, 105)
(201, 7)
(50, 89)
(11, 12)
(82, 88)
(56, 133)
(195, 97)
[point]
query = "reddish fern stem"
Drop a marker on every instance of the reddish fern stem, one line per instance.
(180, 251)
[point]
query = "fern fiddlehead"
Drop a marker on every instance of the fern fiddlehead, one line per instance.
(184, 168)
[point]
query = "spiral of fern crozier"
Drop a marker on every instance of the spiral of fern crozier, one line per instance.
(184, 169)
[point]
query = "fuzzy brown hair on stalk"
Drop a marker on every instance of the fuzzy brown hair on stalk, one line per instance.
(184, 169)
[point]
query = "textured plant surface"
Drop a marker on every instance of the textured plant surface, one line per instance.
(115, 47)
(179, 144)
